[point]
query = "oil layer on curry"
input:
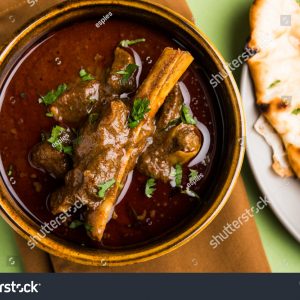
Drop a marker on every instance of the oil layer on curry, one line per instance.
(117, 118)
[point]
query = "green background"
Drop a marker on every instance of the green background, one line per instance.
(225, 22)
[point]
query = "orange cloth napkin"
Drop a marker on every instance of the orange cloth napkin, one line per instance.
(240, 252)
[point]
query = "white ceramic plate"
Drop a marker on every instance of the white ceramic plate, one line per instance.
(283, 194)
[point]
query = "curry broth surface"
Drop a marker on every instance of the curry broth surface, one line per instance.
(57, 59)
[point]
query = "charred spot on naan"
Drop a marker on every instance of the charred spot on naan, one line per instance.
(275, 105)
(293, 154)
(264, 107)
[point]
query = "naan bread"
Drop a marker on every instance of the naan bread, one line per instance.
(280, 163)
(275, 69)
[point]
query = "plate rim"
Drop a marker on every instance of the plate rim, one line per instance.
(245, 75)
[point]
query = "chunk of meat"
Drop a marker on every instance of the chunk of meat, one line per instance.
(44, 156)
(160, 81)
(170, 111)
(117, 147)
(73, 106)
(121, 61)
(177, 146)
(98, 155)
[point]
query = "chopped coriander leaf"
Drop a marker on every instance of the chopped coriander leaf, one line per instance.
(150, 187)
(186, 116)
(55, 134)
(88, 227)
(49, 114)
(57, 143)
(178, 175)
(274, 83)
(190, 193)
(75, 224)
(10, 171)
(172, 123)
(172, 173)
(139, 109)
(68, 150)
(127, 43)
(52, 96)
(296, 111)
(85, 76)
(193, 175)
(104, 187)
(127, 73)
(93, 118)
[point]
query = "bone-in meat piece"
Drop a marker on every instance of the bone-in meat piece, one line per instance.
(116, 81)
(116, 146)
(74, 105)
(161, 80)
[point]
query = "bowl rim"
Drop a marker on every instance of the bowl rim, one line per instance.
(94, 258)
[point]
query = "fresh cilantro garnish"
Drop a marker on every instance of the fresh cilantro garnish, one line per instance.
(77, 223)
(296, 111)
(10, 171)
(177, 175)
(93, 118)
(88, 227)
(140, 108)
(55, 134)
(127, 43)
(193, 175)
(57, 141)
(104, 187)
(186, 116)
(274, 83)
(127, 73)
(49, 115)
(150, 187)
(52, 96)
(68, 150)
(173, 123)
(85, 76)
(190, 193)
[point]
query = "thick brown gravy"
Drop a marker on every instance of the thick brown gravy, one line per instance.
(57, 59)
